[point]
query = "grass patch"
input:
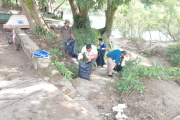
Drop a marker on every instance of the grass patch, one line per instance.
(173, 54)
(133, 73)
(63, 70)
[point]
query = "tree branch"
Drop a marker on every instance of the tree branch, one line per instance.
(59, 6)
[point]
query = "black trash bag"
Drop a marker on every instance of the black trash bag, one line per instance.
(118, 66)
(84, 70)
(100, 59)
(72, 48)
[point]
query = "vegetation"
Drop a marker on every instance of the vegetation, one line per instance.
(74, 69)
(63, 70)
(136, 19)
(29, 4)
(57, 18)
(133, 73)
(173, 54)
(82, 38)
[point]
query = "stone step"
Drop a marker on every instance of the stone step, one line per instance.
(33, 98)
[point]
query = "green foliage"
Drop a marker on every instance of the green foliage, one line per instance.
(55, 52)
(51, 38)
(86, 36)
(29, 4)
(174, 54)
(74, 69)
(57, 17)
(63, 70)
(136, 19)
(133, 73)
(81, 22)
(40, 31)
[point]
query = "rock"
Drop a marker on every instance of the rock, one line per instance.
(176, 118)
(54, 72)
(46, 79)
(178, 81)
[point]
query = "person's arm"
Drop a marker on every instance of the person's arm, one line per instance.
(105, 48)
(59, 36)
(72, 36)
(92, 58)
(80, 55)
(95, 55)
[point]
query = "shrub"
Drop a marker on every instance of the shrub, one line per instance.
(63, 70)
(174, 54)
(133, 73)
(74, 69)
(57, 17)
(86, 36)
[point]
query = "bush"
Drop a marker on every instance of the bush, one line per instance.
(63, 70)
(57, 17)
(74, 69)
(40, 31)
(133, 73)
(174, 54)
(86, 36)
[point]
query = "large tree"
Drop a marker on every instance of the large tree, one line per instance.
(80, 9)
(34, 16)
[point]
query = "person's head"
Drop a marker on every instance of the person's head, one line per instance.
(88, 47)
(100, 40)
(66, 23)
(123, 53)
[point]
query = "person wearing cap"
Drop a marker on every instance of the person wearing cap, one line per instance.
(65, 34)
(103, 48)
(114, 55)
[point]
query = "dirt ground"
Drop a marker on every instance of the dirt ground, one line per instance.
(160, 102)
(13, 64)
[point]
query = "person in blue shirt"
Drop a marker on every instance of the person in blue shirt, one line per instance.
(103, 49)
(114, 55)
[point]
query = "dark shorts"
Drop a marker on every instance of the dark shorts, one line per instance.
(64, 46)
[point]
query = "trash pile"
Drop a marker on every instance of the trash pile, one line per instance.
(120, 114)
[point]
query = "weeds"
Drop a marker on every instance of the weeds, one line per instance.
(74, 69)
(57, 17)
(133, 73)
(174, 54)
(63, 70)
(86, 36)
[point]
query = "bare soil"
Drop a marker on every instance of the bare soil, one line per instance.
(13, 64)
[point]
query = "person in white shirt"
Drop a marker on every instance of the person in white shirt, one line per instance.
(91, 54)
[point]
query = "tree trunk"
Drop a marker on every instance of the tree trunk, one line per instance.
(80, 16)
(33, 15)
(59, 6)
(74, 7)
(51, 6)
(2, 3)
(110, 12)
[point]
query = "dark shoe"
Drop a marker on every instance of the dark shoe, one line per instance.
(110, 75)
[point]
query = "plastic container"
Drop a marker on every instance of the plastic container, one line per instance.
(41, 54)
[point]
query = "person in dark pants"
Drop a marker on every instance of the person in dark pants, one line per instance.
(103, 48)
(114, 55)
(65, 34)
